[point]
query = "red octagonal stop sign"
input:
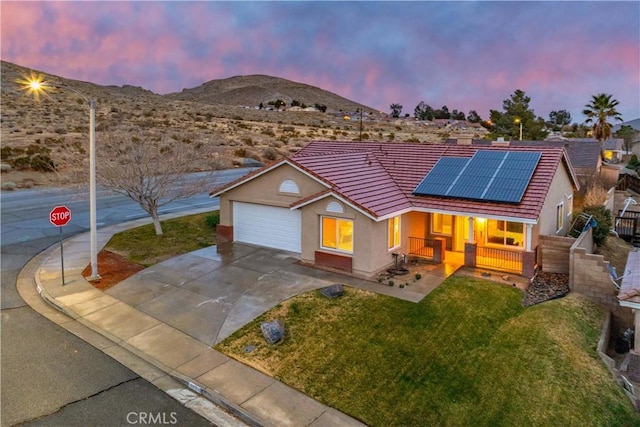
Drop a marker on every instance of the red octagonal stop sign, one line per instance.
(59, 216)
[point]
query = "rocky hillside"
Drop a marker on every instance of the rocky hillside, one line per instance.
(253, 90)
(45, 140)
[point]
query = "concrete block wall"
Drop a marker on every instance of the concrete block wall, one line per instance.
(590, 277)
(555, 254)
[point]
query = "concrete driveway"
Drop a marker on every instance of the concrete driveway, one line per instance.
(210, 293)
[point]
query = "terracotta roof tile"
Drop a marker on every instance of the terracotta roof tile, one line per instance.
(382, 176)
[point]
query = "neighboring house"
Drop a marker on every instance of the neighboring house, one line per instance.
(352, 205)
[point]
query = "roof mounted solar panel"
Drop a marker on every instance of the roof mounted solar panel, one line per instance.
(443, 174)
(512, 179)
(496, 176)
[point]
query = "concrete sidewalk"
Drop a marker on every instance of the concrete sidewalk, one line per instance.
(185, 367)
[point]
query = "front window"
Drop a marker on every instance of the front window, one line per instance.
(394, 232)
(505, 233)
(442, 224)
(337, 234)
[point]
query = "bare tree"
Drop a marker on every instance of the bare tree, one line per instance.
(155, 171)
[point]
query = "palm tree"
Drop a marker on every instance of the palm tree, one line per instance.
(598, 111)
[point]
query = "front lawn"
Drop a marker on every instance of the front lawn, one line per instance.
(468, 354)
(181, 235)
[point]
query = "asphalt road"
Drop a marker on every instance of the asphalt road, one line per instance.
(48, 375)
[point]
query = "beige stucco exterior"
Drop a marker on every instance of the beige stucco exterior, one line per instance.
(264, 190)
(370, 237)
(560, 191)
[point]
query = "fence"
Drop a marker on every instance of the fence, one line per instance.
(499, 259)
(421, 247)
(628, 182)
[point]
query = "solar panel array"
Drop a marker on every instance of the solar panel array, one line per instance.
(496, 176)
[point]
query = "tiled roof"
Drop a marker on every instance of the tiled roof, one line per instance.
(379, 178)
(382, 176)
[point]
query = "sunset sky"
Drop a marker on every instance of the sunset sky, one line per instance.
(466, 55)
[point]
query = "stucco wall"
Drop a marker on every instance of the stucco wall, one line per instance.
(560, 188)
(264, 190)
(370, 252)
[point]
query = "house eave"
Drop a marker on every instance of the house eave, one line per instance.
(265, 170)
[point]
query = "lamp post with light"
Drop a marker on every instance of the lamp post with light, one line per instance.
(518, 120)
(36, 86)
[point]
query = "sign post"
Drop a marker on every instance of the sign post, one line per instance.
(60, 216)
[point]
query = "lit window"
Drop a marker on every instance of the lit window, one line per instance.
(505, 233)
(442, 224)
(394, 232)
(337, 234)
(559, 217)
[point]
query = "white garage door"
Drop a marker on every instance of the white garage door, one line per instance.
(268, 226)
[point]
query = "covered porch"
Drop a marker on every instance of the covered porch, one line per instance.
(489, 243)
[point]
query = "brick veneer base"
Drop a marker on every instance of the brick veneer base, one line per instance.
(341, 262)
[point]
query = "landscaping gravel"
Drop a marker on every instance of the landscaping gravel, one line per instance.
(545, 287)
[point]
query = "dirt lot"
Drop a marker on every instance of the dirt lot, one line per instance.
(113, 270)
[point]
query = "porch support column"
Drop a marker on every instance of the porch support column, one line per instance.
(527, 239)
(439, 250)
(470, 249)
(528, 264)
(470, 230)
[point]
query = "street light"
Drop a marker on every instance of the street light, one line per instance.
(35, 86)
(517, 120)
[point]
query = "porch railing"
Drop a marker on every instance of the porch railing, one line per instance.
(499, 259)
(421, 247)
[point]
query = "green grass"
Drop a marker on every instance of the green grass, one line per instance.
(181, 235)
(468, 354)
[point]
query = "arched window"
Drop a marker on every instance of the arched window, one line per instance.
(289, 186)
(334, 207)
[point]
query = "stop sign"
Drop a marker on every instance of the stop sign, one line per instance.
(59, 216)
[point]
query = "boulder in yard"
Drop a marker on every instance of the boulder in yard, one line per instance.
(334, 291)
(273, 331)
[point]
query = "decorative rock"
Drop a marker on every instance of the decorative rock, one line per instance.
(249, 348)
(273, 331)
(545, 287)
(334, 291)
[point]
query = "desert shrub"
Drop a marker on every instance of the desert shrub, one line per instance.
(604, 219)
(270, 153)
(268, 132)
(42, 163)
(213, 220)
(5, 152)
(240, 152)
(21, 162)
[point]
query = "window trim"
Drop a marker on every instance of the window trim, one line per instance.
(336, 249)
(520, 247)
(433, 228)
(391, 235)
(559, 217)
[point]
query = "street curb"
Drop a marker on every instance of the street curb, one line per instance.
(218, 400)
